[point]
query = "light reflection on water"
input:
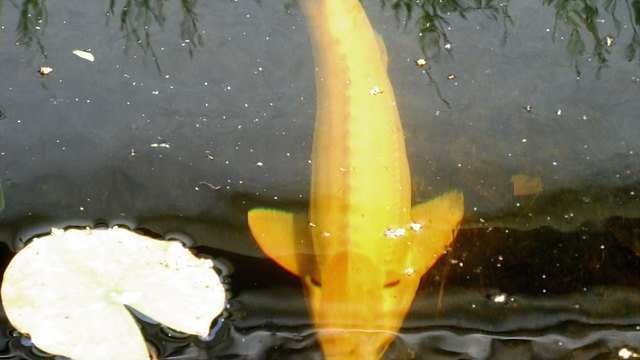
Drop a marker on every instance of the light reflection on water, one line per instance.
(235, 107)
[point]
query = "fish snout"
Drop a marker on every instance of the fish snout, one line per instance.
(353, 344)
(348, 307)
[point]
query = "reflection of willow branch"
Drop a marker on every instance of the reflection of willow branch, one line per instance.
(32, 22)
(137, 16)
(140, 16)
(1, 3)
(189, 25)
(578, 13)
(432, 23)
(437, 87)
(634, 16)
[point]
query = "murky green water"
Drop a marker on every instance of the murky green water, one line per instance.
(190, 116)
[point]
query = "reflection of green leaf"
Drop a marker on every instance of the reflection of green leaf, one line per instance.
(631, 49)
(610, 6)
(1, 2)
(635, 5)
(398, 6)
(32, 22)
(634, 12)
(575, 45)
(68, 291)
(189, 25)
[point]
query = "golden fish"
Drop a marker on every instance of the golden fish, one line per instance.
(361, 249)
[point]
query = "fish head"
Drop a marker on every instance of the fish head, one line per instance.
(357, 304)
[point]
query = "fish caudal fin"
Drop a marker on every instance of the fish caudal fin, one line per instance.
(283, 236)
(438, 220)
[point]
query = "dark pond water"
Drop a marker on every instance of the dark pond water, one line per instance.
(194, 112)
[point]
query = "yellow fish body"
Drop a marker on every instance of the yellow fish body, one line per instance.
(361, 249)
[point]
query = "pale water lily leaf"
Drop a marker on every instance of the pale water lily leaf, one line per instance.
(67, 291)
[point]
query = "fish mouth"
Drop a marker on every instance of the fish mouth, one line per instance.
(343, 343)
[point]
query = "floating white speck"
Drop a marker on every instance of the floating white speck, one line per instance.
(394, 233)
(162, 144)
(625, 353)
(500, 298)
(375, 91)
(416, 226)
(83, 54)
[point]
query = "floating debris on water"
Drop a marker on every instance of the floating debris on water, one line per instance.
(84, 54)
(44, 71)
(214, 187)
(609, 40)
(161, 144)
(526, 185)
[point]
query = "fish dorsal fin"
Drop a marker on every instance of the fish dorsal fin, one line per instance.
(284, 237)
(382, 49)
(436, 222)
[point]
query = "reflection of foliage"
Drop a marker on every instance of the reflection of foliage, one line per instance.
(137, 16)
(32, 22)
(576, 14)
(584, 13)
(189, 25)
(634, 16)
(432, 21)
(288, 5)
(1, 2)
(579, 15)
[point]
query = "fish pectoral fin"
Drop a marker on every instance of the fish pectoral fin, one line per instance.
(283, 236)
(436, 222)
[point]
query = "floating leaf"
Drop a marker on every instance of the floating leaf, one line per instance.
(68, 292)
(83, 54)
(526, 185)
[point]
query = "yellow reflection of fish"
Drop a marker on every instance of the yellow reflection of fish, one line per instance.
(361, 249)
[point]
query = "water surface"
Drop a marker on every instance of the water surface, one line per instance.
(191, 115)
